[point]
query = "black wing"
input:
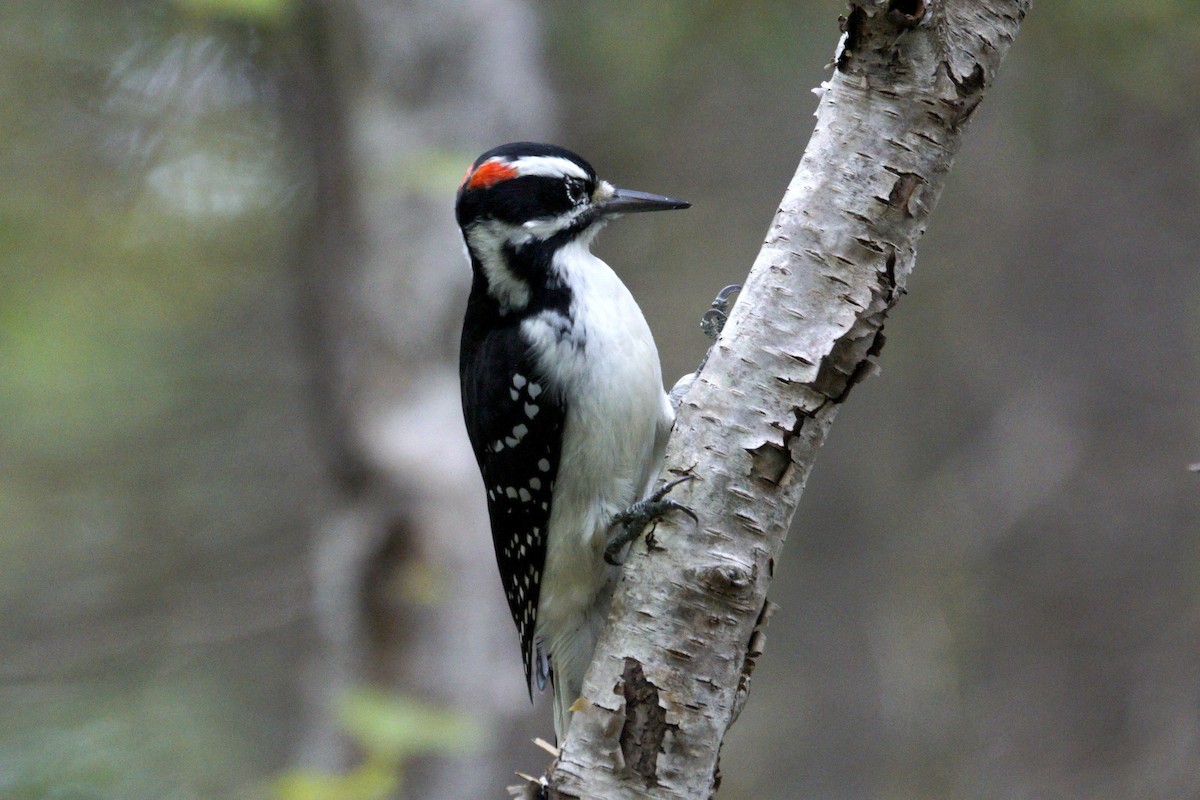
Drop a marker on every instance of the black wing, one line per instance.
(515, 424)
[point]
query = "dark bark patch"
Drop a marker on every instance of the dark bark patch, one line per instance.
(646, 725)
(969, 85)
(851, 361)
(869, 365)
(906, 13)
(868, 244)
(731, 581)
(853, 26)
(969, 89)
(771, 461)
(903, 190)
(888, 279)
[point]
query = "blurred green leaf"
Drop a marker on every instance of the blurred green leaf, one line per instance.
(397, 727)
(432, 172)
(367, 782)
(391, 729)
(262, 11)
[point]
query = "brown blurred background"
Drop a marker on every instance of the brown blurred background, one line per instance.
(242, 545)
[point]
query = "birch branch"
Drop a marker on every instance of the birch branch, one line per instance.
(673, 669)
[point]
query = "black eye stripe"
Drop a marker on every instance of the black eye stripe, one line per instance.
(516, 200)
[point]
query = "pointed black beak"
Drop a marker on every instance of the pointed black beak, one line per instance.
(627, 201)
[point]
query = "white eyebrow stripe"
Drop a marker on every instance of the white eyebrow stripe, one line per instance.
(548, 166)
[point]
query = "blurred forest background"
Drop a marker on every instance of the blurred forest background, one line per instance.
(242, 545)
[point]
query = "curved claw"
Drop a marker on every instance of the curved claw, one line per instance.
(714, 319)
(722, 299)
(612, 553)
(658, 494)
(635, 518)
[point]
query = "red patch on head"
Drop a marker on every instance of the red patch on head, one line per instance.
(488, 174)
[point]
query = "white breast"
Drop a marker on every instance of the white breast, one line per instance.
(608, 371)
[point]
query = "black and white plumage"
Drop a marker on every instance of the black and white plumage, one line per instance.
(562, 394)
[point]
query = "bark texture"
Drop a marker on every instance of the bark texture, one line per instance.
(673, 669)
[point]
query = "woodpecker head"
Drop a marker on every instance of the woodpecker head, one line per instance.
(522, 201)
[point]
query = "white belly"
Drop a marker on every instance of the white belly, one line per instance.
(609, 375)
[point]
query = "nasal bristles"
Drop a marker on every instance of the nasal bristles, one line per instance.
(489, 173)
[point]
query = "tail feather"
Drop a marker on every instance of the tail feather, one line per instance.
(570, 641)
(568, 664)
(564, 697)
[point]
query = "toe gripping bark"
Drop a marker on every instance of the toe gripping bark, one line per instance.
(645, 512)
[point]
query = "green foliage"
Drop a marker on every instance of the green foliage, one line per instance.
(390, 730)
(398, 727)
(431, 171)
(369, 781)
(271, 12)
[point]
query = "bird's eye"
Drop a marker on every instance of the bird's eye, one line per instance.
(575, 192)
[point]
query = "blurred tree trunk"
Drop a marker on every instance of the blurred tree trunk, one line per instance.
(404, 96)
(673, 669)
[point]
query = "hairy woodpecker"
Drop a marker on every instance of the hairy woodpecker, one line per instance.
(562, 394)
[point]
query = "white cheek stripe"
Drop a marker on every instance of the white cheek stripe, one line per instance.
(545, 227)
(486, 239)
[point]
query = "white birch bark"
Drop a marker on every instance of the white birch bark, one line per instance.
(673, 669)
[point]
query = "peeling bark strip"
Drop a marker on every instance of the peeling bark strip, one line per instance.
(645, 726)
(806, 328)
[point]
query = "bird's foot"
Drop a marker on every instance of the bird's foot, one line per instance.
(642, 513)
(715, 318)
(712, 323)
